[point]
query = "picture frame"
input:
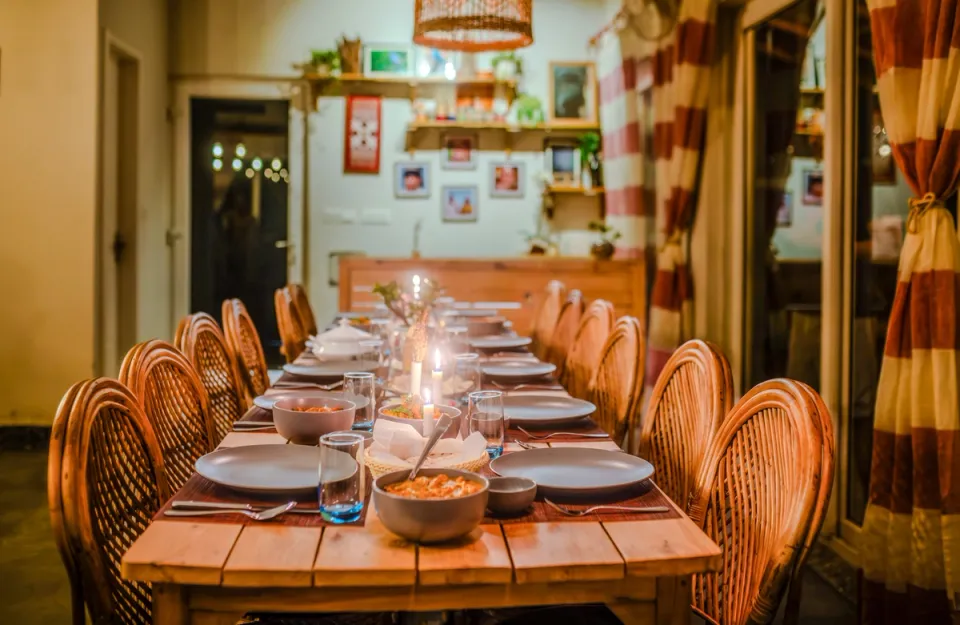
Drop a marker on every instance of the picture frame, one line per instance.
(813, 187)
(508, 179)
(785, 211)
(361, 144)
(387, 59)
(562, 162)
(573, 93)
(432, 62)
(411, 179)
(458, 151)
(460, 203)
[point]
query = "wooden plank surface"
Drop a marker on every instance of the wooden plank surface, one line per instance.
(364, 556)
(480, 558)
(184, 553)
(553, 552)
(273, 555)
(664, 547)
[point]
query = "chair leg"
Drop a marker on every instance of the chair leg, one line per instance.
(77, 607)
(791, 615)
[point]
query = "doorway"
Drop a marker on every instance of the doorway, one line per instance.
(239, 178)
(117, 254)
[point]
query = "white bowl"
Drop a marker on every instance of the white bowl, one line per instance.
(417, 424)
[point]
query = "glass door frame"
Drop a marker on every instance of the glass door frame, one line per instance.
(836, 274)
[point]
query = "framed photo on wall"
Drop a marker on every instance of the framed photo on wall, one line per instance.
(573, 93)
(361, 149)
(508, 179)
(411, 179)
(387, 59)
(458, 152)
(785, 210)
(561, 162)
(813, 187)
(460, 203)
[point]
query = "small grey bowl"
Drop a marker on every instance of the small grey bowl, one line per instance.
(511, 495)
(429, 520)
(306, 428)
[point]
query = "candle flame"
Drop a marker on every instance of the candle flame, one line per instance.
(426, 396)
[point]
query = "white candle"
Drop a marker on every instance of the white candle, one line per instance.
(428, 422)
(436, 377)
(416, 373)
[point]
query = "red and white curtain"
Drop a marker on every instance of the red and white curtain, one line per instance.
(910, 542)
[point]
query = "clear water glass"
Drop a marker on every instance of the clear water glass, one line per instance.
(371, 354)
(360, 387)
(466, 374)
(342, 477)
(486, 417)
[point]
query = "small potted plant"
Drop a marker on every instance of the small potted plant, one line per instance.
(529, 109)
(506, 66)
(325, 62)
(590, 156)
(603, 249)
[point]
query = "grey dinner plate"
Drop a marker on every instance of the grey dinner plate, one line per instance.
(500, 342)
(331, 369)
(277, 469)
(582, 471)
(539, 410)
(514, 369)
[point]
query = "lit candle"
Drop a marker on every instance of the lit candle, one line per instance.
(436, 377)
(416, 286)
(428, 422)
(416, 374)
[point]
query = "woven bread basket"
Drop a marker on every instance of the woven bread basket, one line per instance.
(378, 468)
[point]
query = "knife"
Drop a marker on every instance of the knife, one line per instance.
(216, 505)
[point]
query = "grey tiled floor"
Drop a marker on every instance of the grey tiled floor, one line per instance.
(34, 588)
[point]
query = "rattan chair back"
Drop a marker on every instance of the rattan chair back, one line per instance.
(308, 321)
(245, 346)
(584, 355)
(293, 338)
(567, 324)
(617, 387)
(545, 319)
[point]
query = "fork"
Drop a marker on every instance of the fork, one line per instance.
(322, 387)
(263, 515)
(524, 445)
(542, 387)
(541, 437)
(569, 512)
(184, 504)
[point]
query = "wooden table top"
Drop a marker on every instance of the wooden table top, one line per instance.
(517, 556)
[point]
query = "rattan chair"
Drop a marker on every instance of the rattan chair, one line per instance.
(202, 342)
(545, 319)
(584, 355)
(304, 310)
(761, 495)
(244, 344)
(618, 384)
(175, 404)
(567, 323)
(106, 482)
(692, 395)
(293, 337)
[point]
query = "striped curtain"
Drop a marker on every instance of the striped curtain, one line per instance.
(681, 76)
(910, 542)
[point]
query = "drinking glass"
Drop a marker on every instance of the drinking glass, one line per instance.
(486, 417)
(342, 477)
(456, 339)
(466, 374)
(371, 356)
(360, 388)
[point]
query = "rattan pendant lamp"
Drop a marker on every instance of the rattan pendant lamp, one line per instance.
(473, 25)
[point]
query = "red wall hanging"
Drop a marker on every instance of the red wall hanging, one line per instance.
(361, 149)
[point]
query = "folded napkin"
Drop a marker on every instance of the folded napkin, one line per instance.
(400, 444)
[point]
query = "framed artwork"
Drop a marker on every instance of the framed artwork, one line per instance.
(432, 63)
(458, 152)
(411, 179)
(387, 59)
(507, 179)
(813, 187)
(460, 203)
(361, 149)
(573, 93)
(562, 162)
(785, 210)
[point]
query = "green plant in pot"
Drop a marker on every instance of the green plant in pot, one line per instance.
(529, 109)
(604, 248)
(325, 61)
(590, 156)
(506, 65)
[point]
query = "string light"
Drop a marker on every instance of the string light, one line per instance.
(218, 149)
(268, 172)
(257, 164)
(217, 164)
(249, 173)
(275, 163)
(237, 164)
(241, 150)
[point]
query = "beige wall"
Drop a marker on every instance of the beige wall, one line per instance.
(48, 112)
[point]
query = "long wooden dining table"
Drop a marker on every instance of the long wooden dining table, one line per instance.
(212, 573)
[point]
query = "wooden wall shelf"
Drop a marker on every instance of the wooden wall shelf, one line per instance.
(571, 190)
(411, 81)
(502, 127)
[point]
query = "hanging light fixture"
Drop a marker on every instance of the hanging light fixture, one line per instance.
(473, 25)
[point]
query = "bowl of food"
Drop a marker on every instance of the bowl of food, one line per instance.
(511, 495)
(405, 411)
(303, 420)
(436, 506)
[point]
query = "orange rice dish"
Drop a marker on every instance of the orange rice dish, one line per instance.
(315, 409)
(434, 487)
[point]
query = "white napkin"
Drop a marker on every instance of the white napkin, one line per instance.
(400, 444)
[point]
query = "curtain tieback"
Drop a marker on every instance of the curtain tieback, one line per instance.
(674, 238)
(918, 206)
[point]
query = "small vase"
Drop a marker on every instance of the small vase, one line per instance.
(505, 70)
(602, 251)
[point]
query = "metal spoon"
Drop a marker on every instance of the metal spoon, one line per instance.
(232, 507)
(293, 385)
(439, 430)
(264, 515)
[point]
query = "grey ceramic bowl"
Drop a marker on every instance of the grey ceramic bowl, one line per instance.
(429, 520)
(306, 428)
(511, 495)
(417, 424)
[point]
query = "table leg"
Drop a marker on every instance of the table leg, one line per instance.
(673, 600)
(635, 612)
(169, 605)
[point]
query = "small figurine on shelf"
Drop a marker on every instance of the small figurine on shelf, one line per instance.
(350, 55)
(603, 249)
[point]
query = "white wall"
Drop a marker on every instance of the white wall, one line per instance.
(48, 113)
(231, 38)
